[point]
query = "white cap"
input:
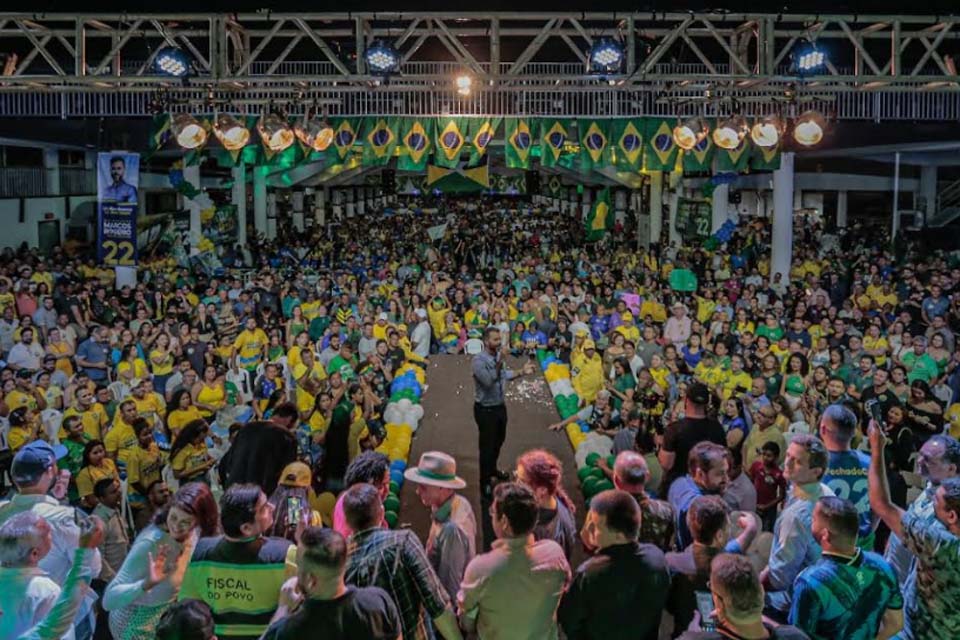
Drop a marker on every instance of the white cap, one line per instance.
(421, 313)
(382, 316)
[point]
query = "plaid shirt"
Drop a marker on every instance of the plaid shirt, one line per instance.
(396, 562)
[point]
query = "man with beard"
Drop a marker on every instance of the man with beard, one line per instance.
(708, 474)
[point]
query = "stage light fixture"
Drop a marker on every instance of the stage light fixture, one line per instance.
(767, 131)
(315, 133)
(275, 133)
(606, 56)
(382, 59)
(808, 58)
(691, 132)
(231, 133)
(172, 61)
(809, 127)
(730, 133)
(464, 83)
(187, 131)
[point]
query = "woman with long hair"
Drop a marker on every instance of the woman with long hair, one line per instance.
(294, 489)
(180, 412)
(189, 457)
(161, 361)
(149, 579)
(209, 394)
(924, 413)
(543, 473)
(734, 423)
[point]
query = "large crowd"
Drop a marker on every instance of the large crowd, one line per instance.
(196, 456)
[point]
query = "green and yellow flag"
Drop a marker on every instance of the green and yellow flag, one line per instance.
(482, 132)
(416, 144)
(734, 160)
(554, 135)
(594, 144)
(765, 158)
(660, 151)
(600, 219)
(159, 131)
(379, 140)
(451, 137)
(344, 137)
(628, 144)
(700, 158)
(458, 180)
(518, 142)
(553, 186)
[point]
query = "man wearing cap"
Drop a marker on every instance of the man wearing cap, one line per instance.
(420, 338)
(678, 326)
(588, 373)
(34, 471)
(681, 436)
(451, 543)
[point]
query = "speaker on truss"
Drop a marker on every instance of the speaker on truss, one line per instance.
(533, 183)
(388, 181)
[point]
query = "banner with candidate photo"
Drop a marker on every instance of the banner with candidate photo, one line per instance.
(118, 178)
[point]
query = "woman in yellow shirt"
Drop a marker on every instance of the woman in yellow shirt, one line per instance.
(180, 412)
(301, 342)
(131, 365)
(96, 467)
(876, 345)
(161, 361)
(189, 458)
(60, 349)
(209, 395)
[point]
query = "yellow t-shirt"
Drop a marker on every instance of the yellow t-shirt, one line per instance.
(179, 418)
(952, 417)
(188, 460)
(16, 399)
(139, 368)
(6, 300)
(94, 421)
(89, 476)
(631, 333)
(733, 380)
(120, 441)
(19, 436)
(249, 346)
(144, 466)
(318, 423)
(870, 343)
(165, 367)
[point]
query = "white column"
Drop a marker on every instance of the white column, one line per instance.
(361, 201)
(297, 199)
(271, 215)
(841, 209)
(797, 199)
(586, 202)
(928, 190)
(239, 197)
(656, 206)
(320, 206)
(721, 195)
(783, 199)
(260, 200)
(672, 236)
(896, 196)
(191, 174)
(350, 204)
(51, 165)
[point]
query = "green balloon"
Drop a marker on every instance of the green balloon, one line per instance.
(394, 487)
(604, 485)
(584, 472)
(593, 459)
(391, 503)
(611, 460)
(392, 518)
(590, 487)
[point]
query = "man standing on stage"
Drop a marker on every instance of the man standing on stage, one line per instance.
(489, 410)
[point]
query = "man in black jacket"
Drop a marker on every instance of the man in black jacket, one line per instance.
(261, 450)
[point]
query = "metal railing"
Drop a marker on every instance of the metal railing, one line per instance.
(27, 182)
(77, 181)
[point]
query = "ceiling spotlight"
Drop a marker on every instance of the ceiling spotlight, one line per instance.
(767, 132)
(275, 133)
(172, 61)
(605, 56)
(809, 128)
(730, 132)
(691, 132)
(382, 59)
(231, 133)
(315, 133)
(188, 131)
(463, 85)
(808, 58)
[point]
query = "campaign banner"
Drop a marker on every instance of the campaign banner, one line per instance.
(118, 177)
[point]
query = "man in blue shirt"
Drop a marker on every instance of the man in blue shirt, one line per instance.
(708, 474)
(849, 593)
(118, 190)
(934, 304)
(847, 469)
(93, 356)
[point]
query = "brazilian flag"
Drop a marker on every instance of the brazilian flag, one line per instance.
(660, 151)
(379, 140)
(345, 131)
(600, 219)
(482, 132)
(554, 135)
(159, 131)
(289, 157)
(734, 160)
(700, 158)
(594, 144)
(416, 144)
(628, 144)
(765, 158)
(519, 142)
(451, 137)
(554, 186)
(250, 154)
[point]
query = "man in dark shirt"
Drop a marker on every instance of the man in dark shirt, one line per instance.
(681, 436)
(261, 450)
(620, 592)
(330, 608)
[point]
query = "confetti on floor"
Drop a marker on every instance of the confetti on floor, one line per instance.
(529, 392)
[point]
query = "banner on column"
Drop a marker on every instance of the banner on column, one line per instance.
(118, 178)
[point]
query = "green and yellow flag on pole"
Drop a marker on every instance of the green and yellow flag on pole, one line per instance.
(628, 144)
(451, 138)
(554, 135)
(416, 144)
(594, 144)
(660, 151)
(600, 219)
(518, 142)
(379, 140)
(482, 132)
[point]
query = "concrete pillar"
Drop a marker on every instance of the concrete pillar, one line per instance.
(798, 199)
(297, 199)
(260, 200)
(351, 207)
(320, 206)
(586, 202)
(656, 206)
(191, 174)
(361, 201)
(720, 201)
(783, 203)
(271, 215)
(51, 165)
(239, 198)
(928, 191)
(841, 209)
(673, 237)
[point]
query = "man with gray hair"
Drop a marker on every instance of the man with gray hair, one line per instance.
(658, 519)
(846, 468)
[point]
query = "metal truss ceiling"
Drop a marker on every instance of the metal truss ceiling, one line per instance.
(880, 67)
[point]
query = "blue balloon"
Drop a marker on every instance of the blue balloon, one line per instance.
(398, 465)
(397, 476)
(585, 428)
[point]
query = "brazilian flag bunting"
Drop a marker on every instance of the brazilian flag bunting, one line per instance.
(451, 137)
(554, 186)
(700, 158)
(379, 140)
(660, 149)
(628, 141)
(345, 132)
(482, 132)
(518, 143)
(594, 144)
(554, 135)
(600, 219)
(159, 131)
(765, 158)
(734, 160)
(416, 144)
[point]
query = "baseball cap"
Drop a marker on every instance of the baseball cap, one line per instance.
(296, 474)
(421, 313)
(698, 393)
(589, 344)
(33, 460)
(382, 316)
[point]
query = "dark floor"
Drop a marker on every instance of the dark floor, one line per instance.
(448, 426)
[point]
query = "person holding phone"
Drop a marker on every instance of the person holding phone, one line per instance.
(292, 501)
